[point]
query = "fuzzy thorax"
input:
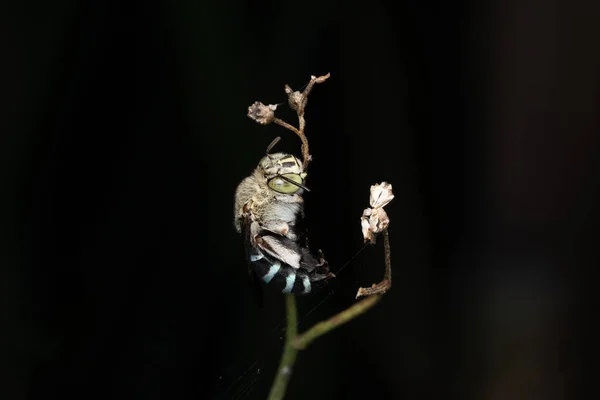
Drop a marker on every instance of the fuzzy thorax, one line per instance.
(264, 203)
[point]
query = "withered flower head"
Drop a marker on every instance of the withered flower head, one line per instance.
(294, 98)
(261, 113)
(375, 220)
(381, 194)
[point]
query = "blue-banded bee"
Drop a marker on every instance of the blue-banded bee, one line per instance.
(269, 208)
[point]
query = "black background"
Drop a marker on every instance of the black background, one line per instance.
(124, 134)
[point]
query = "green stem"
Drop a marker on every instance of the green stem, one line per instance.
(303, 340)
(288, 358)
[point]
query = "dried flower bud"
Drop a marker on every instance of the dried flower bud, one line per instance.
(366, 226)
(294, 98)
(262, 114)
(381, 194)
(379, 220)
(375, 220)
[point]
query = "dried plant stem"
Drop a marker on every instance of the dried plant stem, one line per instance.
(305, 153)
(288, 358)
(290, 127)
(386, 283)
(297, 101)
(300, 132)
(388, 257)
(265, 114)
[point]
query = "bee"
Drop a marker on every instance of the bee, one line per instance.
(269, 210)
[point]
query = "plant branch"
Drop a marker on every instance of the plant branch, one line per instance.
(291, 128)
(295, 342)
(297, 101)
(388, 256)
(265, 114)
(374, 295)
(288, 358)
(386, 283)
(302, 341)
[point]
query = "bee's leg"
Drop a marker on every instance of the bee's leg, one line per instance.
(277, 226)
(311, 261)
(321, 258)
(279, 247)
(320, 276)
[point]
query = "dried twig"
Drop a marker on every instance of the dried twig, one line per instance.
(265, 114)
(375, 221)
(386, 283)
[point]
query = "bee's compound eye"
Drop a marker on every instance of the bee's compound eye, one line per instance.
(281, 186)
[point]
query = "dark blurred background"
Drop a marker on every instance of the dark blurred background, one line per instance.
(124, 134)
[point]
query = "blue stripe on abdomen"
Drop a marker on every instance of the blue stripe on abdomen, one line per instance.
(289, 283)
(280, 276)
(273, 270)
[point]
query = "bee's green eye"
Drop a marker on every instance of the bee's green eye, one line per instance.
(283, 186)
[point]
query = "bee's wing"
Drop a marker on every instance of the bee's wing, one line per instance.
(291, 248)
(282, 261)
(290, 261)
(249, 250)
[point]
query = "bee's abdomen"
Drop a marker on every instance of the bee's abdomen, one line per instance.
(281, 276)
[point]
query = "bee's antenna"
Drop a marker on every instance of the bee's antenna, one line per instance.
(273, 143)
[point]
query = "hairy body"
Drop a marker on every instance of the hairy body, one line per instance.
(267, 208)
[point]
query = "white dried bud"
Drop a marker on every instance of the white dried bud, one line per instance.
(379, 220)
(261, 113)
(375, 220)
(381, 194)
(294, 98)
(366, 226)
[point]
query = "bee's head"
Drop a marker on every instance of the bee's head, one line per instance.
(284, 172)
